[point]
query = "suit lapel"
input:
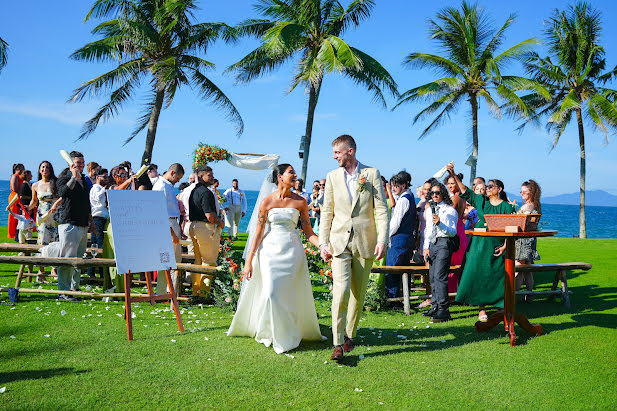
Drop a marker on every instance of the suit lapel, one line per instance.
(356, 193)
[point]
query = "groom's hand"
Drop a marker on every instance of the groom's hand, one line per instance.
(380, 251)
(325, 252)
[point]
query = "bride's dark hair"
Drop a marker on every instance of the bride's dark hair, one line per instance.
(280, 169)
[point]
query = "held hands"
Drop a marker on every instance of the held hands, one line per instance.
(380, 251)
(324, 250)
(436, 219)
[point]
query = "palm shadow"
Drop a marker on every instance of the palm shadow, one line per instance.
(12, 376)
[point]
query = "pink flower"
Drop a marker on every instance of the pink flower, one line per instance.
(228, 299)
(236, 286)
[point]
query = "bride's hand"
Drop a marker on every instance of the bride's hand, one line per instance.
(248, 270)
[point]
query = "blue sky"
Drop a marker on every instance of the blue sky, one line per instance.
(36, 122)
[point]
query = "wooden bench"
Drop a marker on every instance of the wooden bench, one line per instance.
(80, 263)
(560, 270)
(415, 270)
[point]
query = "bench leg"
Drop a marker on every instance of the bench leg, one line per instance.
(20, 274)
(406, 294)
(555, 284)
(564, 289)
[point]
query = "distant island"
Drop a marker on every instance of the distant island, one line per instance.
(592, 198)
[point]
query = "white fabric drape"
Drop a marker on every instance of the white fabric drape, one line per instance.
(268, 161)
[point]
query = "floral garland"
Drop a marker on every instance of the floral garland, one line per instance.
(205, 154)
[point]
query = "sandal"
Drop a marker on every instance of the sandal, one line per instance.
(483, 317)
(425, 303)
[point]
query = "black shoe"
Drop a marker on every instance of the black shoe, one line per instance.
(441, 316)
(431, 312)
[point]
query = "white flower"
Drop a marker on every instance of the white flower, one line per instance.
(358, 390)
(63, 313)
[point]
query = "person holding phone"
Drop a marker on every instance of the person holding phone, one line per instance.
(441, 220)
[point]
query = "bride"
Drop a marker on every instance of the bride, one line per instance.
(276, 303)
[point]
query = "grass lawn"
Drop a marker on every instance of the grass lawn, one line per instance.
(75, 355)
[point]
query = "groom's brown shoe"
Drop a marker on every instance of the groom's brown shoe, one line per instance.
(337, 355)
(348, 345)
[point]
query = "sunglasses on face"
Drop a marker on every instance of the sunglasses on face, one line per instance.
(435, 193)
(490, 186)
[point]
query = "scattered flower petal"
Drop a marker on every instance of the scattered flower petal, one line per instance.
(2, 390)
(12, 336)
(173, 340)
(361, 356)
(289, 355)
(358, 390)
(63, 313)
(47, 335)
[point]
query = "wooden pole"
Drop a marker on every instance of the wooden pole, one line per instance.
(127, 306)
(174, 300)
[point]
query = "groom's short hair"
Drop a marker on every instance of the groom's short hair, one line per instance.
(345, 139)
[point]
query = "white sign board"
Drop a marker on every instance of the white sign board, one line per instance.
(140, 226)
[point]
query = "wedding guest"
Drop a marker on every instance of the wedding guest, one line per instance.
(92, 167)
(99, 209)
(299, 189)
(313, 201)
(205, 227)
(44, 197)
(25, 191)
(418, 256)
(153, 173)
(459, 205)
(526, 252)
(482, 282)
(316, 184)
(388, 190)
(120, 177)
(236, 208)
(183, 198)
(74, 221)
(442, 220)
(480, 189)
(25, 225)
(403, 224)
(166, 183)
(478, 180)
(315, 206)
(15, 185)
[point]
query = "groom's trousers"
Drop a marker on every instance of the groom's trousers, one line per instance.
(350, 274)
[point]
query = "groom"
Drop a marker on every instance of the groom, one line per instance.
(354, 201)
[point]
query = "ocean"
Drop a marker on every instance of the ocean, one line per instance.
(601, 221)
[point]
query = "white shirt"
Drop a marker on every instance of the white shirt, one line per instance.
(184, 198)
(448, 217)
(170, 195)
(236, 197)
(302, 194)
(217, 204)
(351, 181)
(401, 207)
(98, 201)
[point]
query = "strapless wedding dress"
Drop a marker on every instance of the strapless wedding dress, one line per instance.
(276, 306)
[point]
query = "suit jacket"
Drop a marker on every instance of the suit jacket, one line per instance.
(339, 216)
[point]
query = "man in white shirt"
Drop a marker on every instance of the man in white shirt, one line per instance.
(153, 173)
(235, 209)
(100, 212)
(165, 183)
(439, 234)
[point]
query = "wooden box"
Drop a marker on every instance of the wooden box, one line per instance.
(525, 222)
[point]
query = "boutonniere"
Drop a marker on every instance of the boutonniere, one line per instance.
(361, 183)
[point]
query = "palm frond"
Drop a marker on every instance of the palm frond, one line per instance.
(144, 119)
(107, 81)
(567, 105)
(352, 16)
(437, 63)
(257, 63)
(4, 46)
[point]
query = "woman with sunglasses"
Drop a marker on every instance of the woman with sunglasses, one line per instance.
(482, 281)
(526, 252)
(459, 205)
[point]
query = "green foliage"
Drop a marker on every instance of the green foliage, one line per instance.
(226, 285)
(153, 41)
(4, 46)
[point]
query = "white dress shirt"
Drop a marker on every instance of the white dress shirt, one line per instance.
(98, 201)
(448, 217)
(351, 181)
(217, 204)
(401, 207)
(184, 199)
(173, 211)
(235, 197)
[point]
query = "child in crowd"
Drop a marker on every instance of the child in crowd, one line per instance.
(25, 225)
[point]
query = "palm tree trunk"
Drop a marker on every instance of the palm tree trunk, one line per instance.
(313, 97)
(474, 129)
(154, 121)
(581, 143)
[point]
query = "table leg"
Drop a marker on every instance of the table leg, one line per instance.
(127, 305)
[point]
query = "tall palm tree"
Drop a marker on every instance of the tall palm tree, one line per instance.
(4, 46)
(472, 70)
(573, 73)
(153, 40)
(311, 30)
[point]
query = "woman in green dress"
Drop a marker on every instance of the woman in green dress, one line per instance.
(482, 282)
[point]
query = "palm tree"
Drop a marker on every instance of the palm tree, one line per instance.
(573, 74)
(4, 46)
(153, 40)
(312, 31)
(472, 70)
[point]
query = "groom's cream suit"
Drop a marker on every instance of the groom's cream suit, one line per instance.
(354, 217)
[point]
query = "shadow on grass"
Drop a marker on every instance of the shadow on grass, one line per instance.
(12, 376)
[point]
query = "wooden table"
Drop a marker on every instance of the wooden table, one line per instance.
(509, 314)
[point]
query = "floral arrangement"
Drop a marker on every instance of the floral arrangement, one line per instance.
(226, 287)
(205, 154)
(361, 183)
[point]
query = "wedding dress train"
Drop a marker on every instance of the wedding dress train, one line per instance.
(276, 306)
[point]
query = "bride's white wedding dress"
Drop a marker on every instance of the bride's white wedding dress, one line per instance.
(276, 306)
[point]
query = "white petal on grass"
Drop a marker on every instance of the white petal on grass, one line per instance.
(173, 340)
(290, 356)
(47, 335)
(361, 356)
(2, 390)
(63, 313)
(12, 336)
(358, 390)
(401, 336)
(206, 338)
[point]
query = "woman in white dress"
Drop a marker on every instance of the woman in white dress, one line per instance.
(276, 303)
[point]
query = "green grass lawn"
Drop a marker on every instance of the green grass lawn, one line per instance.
(75, 355)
